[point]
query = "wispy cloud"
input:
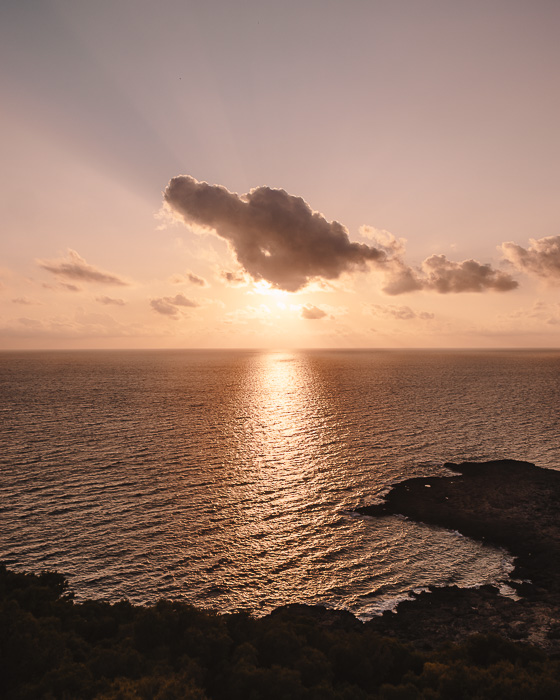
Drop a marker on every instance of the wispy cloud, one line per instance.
(24, 301)
(540, 312)
(401, 313)
(109, 300)
(76, 268)
(195, 279)
(82, 324)
(62, 285)
(189, 278)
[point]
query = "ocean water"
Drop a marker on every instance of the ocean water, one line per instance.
(228, 478)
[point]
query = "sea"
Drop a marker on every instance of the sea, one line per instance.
(229, 479)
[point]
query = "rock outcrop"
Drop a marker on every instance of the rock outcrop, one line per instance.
(511, 504)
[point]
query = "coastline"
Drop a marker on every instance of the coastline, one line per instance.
(450, 642)
(505, 503)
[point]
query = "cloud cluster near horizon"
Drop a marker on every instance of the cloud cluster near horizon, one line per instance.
(278, 238)
(401, 313)
(74, 267)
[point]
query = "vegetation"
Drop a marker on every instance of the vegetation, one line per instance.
(53, 647)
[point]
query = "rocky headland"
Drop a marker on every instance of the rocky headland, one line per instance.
(506, 503)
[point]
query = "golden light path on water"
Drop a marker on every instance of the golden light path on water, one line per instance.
(228, 479)
(290, 539)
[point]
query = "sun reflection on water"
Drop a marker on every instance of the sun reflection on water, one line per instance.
(281, 408)
(229, 480)
(292, 539)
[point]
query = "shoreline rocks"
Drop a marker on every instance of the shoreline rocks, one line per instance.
(510, 504)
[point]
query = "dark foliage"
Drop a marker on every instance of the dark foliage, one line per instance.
(52, 647)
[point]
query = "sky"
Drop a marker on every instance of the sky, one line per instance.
(255, 174)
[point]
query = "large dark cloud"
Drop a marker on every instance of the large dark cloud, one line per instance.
(541, 258)
(74, 267)
(438, 274)
(274, 235)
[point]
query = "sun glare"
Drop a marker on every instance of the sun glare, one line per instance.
(266, 289)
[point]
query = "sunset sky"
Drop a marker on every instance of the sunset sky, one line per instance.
(280, 174)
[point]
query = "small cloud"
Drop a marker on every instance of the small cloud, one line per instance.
(76, 268)
(234, 279)
(541, 258)
(189, 278)
(164, 307)
(109, 300)
(169, 306)
(181, 300)
(24, 301)
(195, 279)
(312, 313)
(401, 313)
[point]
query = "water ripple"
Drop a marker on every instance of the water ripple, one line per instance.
(228, 479)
